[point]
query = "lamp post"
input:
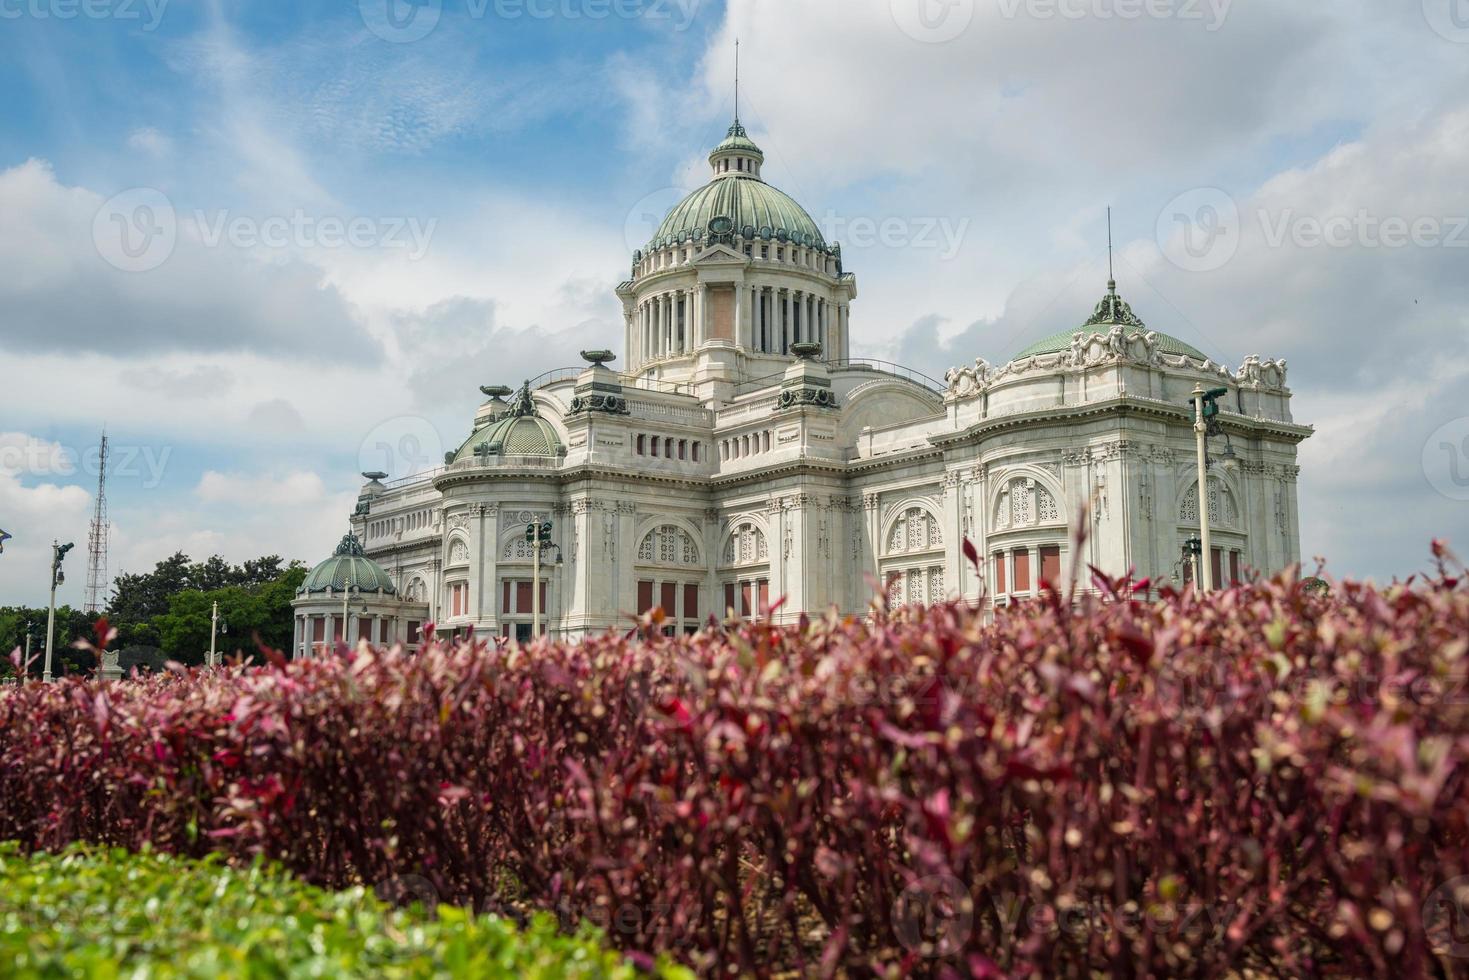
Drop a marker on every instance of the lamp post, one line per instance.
(538, 534)
(215, 625)
(1205, 408)
(58, 553)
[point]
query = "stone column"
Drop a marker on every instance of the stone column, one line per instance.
(480, 604)
(702, 333)
(785, 326)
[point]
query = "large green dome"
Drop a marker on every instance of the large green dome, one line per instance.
(348, 565)
(1111, 311)
(755, 209)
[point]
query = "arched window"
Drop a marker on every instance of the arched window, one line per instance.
(915, 530)
(745, 546)
(1222, 510)
(458, 552)
(1025, 503)
(668, 545)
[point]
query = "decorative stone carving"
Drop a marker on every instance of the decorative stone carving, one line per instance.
(806, 396)
(598, 402)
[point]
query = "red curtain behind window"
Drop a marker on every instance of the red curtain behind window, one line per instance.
(1022, 570)
(1051, 564)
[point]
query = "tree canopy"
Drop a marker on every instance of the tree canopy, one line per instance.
(165, 614)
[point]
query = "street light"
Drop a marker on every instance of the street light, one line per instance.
(215, 625)
(58, 554)
(350, 589)
(1205, 409)
(538, 535)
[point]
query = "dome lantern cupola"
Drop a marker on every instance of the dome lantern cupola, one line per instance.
(737, 156)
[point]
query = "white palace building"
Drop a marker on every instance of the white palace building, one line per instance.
(742, 456)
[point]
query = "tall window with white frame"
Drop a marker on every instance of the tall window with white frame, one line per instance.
(1027, 540)
(670, 578)
(744, 570)
(913, 558)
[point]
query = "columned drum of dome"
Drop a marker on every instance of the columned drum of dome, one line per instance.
(739, 267)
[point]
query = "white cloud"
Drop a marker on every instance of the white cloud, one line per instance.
(150, 141)
(36, 509)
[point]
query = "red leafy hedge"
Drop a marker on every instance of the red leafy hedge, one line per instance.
(1267, 777)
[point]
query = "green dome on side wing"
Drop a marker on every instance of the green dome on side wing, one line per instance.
(1111, 311)
(348, 566)
(519, 432)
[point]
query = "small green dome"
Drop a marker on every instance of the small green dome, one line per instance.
(348, 565)
(1112, 310)
(518, 432)
(737, 140)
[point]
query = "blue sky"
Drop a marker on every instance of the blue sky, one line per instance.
(524, 142)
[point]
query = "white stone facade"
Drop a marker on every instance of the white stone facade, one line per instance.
(725, 468)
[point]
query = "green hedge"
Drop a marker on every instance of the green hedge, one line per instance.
(102, 914)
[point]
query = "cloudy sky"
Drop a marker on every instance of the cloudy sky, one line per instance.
(270, 245)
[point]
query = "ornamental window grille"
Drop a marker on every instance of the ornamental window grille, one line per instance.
(458, 553)
(745, 545)
(1222, 510)
(916, 530)
(416, 591)
(1025, 503)
(916, 586)
(517, 549)
(668, 545)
